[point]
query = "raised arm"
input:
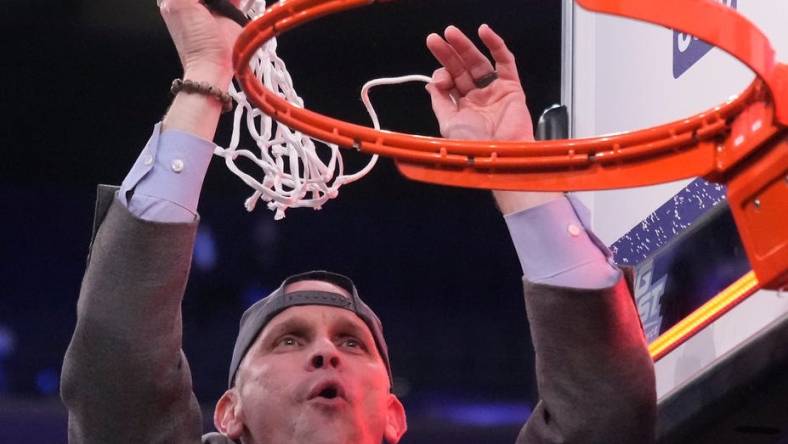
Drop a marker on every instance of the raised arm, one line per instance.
(125, 378)
(595, 377)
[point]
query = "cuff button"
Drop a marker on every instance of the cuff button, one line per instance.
(574, 230)
(177, 165)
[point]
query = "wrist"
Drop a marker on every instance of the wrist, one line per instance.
(219, 76)
(514, 201)
(203, 88)
(197, 112)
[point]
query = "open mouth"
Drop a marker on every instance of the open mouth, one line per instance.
(329, 390)
(328, 393)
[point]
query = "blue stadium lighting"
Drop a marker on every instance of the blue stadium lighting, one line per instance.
(7, 342)
(205, 253)
(484, 414)
(47, 381)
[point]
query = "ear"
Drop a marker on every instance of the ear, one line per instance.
(227, 416)
(396, 423)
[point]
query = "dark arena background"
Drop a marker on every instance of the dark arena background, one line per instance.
(83, 84)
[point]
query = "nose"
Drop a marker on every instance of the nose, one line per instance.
(324, 356)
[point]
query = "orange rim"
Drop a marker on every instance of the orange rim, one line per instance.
(734, 143)
(600, 153)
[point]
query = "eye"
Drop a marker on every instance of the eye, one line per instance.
(353, 343)
(287, 341)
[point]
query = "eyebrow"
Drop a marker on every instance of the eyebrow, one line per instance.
(293, 324)
(353, 327)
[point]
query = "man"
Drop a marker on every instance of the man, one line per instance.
(310, 364)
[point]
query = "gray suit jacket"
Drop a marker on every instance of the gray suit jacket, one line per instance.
(125, 378)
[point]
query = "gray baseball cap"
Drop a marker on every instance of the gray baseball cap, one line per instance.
(260, 314)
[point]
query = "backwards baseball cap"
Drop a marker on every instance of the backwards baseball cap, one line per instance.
(260, 314)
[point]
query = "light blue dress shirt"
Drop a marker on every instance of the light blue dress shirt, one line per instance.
(551, 240)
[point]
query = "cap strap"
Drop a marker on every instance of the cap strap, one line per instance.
(316, 298)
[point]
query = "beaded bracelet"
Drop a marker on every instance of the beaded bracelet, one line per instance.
(192, 87)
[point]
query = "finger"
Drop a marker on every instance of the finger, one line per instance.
(442, 79)
(504, 59)
(444, 84)
(447, 57)
(442, 104)
(475, 62)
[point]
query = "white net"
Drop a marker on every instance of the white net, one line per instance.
(293, 174)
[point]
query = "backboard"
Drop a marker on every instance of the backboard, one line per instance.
(620, 75)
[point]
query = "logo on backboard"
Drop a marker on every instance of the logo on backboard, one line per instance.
(687, 50)
(648, 295)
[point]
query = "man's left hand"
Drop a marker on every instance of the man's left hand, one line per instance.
(467, 110)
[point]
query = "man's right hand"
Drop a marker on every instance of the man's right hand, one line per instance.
(204, 41)
(205, 46)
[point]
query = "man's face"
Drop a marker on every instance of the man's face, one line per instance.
(314, 375)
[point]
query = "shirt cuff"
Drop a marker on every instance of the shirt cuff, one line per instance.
(555, 247)
(165, 182)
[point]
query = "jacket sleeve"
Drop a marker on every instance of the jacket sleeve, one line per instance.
(594, 373)
(125, 378)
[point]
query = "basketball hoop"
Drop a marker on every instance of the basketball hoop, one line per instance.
(741, 143)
